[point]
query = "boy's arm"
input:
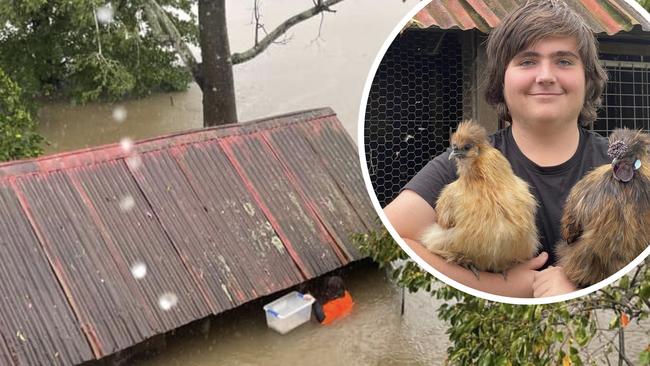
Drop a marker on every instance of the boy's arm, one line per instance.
(410, 214)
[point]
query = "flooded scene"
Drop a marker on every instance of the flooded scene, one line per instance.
(307, 71)
(373, 334)
(133, 235)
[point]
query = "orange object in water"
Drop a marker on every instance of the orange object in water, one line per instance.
(337, 308)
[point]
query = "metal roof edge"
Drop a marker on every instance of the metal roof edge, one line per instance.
(603, 16)
(113, 151)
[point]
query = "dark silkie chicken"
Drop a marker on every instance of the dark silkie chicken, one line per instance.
(606, 219)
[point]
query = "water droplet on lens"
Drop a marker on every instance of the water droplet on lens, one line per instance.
(138, 270)
(167, 301)
(119, 114)
(126, 144)
(127, 203)
(105, 14)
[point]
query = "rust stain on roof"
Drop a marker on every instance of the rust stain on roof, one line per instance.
(95, 239)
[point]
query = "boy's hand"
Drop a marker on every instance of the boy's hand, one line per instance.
(550, 282)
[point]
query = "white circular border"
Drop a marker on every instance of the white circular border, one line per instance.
(426, 266)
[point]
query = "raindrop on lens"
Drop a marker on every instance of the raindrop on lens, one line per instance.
(167, 301)
(105, 14)
(119, 114)
(139, 270)
(126, 144)
(127, 203)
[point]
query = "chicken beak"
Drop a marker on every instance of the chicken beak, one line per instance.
(456, 154)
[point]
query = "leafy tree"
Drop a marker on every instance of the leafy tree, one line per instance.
(17, 136)
(490, 333)
(88, 50)
(59, 48)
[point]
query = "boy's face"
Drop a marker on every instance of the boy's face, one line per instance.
(545, 83)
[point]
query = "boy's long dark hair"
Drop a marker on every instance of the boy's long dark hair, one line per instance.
(530, 23)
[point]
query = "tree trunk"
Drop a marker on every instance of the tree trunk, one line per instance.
(219, 104)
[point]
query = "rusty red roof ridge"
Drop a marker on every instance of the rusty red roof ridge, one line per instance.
(113, 151)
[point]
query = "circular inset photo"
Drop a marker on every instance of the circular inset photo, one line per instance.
(507, 150)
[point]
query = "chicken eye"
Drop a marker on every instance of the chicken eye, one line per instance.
(467, 147)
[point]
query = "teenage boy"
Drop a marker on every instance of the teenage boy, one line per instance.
(543, 77)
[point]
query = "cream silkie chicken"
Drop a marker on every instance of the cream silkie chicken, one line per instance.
(486, 218)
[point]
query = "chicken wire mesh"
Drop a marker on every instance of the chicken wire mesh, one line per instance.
(416, 101)
(626, 99)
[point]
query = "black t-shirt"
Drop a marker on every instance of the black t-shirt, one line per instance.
(549, 185)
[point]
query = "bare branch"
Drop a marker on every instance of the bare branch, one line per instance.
(99, 41)
(319, 7)
(257, 16)
(320, 27)
(165, 30)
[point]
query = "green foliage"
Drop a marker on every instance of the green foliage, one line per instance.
(489, 333)
(57, 49)
(381, 247)
(645, 4)
(17, 136)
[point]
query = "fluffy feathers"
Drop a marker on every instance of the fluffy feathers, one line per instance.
(605, 223)
(486, 218)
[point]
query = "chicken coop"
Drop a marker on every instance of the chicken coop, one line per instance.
(430, 79)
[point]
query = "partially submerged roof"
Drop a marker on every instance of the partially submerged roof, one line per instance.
(218, 217)
(603, 16)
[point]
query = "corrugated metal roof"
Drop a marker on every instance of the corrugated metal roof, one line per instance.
(29, 288)
(306, 241)
(5, 357)
(218, 216)
(317, 187)
(137, 237)
(334, 148)
(86, 264)
(230, 205)
(603, 16)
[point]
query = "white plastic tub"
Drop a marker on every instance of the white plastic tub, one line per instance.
(288, 312)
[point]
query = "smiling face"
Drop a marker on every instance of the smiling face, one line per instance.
(544, 84)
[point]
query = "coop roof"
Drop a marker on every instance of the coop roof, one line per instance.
(603, 16)
(212, 218)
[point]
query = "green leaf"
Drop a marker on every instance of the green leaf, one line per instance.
(644, 357)
(614, 322)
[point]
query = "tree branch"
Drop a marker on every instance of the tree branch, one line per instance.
(165, 30)
(99, 41)
(320, 6)
(257, 16)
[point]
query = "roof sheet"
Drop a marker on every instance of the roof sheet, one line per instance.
(218, 217)
(603, 16)
(334, 148)
(36, 320)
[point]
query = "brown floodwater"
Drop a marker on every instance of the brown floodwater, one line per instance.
(373, 334)
(308, 71)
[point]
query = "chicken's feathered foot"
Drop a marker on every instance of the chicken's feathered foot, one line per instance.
(472, 268)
